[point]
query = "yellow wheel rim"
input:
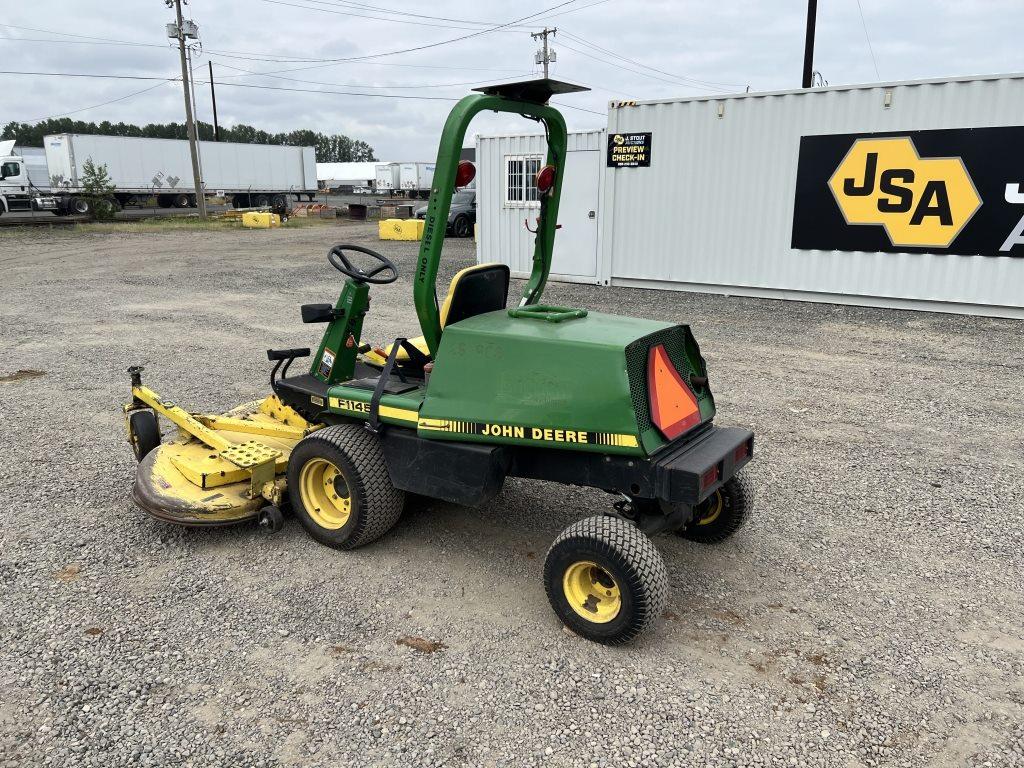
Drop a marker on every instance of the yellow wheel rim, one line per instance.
(592, 592)
(325, 493)
(714, 510)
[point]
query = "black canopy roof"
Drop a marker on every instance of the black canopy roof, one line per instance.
(536, 91)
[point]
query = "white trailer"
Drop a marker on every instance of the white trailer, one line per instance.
(249, 174)
(388, 179)
(347, 177)
(415, 179)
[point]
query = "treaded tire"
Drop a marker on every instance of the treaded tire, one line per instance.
(143, 433)
(629, 557)
(461, 226)
(737, 498)
(376, 505)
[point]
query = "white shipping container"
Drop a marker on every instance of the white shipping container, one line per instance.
(388, 178)
(716, 209)
(164, 165)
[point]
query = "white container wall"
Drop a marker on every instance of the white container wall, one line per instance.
(362, 174)
(165, 165)
(507, 200)
(714, 211)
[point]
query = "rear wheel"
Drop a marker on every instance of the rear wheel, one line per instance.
(260, 201)
(605, 580)
(723, 513)
(143, 433)
(340, 489)
(79, 206)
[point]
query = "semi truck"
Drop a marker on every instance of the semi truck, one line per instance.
(140, 168)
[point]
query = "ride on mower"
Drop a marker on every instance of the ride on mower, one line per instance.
(536, 391)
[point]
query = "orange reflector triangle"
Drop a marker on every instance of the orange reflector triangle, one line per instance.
(674, 408)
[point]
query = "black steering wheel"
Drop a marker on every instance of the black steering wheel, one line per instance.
(340, 261)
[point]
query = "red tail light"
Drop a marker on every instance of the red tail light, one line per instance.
(741, 453)
(674, 408)
(465, 173)
(709, 478)
(545, 179)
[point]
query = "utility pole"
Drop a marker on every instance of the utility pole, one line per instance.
(544, 55)
(213, 95)
(812, 17)
(189, 122)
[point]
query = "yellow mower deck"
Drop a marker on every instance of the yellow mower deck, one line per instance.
(220, 469)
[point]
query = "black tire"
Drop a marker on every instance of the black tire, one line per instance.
(260, 201)
(271, 519)
(461, 227)
(79, 206)
(723, 513)
(181, 201)
(279, 201)
(619, 551)
(374, 505)
(143, 433)
(165, 201)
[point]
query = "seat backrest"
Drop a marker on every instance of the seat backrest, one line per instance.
(475, 290)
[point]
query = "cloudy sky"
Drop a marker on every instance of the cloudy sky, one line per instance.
(620, 48)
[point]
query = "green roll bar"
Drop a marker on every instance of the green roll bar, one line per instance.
(425, 282)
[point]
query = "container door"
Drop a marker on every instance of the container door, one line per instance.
(575, 255)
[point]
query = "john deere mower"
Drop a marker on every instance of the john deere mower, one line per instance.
(487, 392)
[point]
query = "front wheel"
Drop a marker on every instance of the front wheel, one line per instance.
(722, 514)
(143, 432)
(605, 580)
(339, 487)
(461, 227)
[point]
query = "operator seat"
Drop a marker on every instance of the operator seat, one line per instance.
(472, 291)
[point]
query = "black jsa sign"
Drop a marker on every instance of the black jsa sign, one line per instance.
(629, 150)
(957, 191)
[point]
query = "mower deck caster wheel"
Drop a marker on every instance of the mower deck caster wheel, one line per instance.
(271, 519)
(143, 433)
(605, 580)
(722, 514)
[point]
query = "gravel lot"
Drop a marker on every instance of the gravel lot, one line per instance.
(869, 615)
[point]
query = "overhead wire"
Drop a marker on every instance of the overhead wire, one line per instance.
(867, 37)
(686, 79)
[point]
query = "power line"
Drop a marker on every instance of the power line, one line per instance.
(636, 71)
(456, 25)
(868, 38)
(97, 106)
(250, 73)
(708, 83)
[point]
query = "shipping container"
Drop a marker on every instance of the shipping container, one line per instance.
(907, 194)
(507, 202)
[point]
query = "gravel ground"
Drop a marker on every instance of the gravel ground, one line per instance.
(869, 615)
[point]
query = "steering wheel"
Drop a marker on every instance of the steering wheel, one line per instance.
(340, 261)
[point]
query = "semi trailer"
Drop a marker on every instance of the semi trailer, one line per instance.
(415, 179)
(140, 168)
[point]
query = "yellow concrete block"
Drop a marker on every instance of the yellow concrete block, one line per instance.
(260, 220)
(399, 229)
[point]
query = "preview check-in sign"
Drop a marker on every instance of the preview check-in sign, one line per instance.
(956, 191)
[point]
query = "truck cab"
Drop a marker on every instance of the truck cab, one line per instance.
(17, 192)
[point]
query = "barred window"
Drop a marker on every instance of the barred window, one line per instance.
(521, 180)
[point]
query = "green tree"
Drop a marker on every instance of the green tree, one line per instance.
(98, 188)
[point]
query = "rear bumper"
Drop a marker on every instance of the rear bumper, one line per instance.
(693, 471)
(678, 474)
